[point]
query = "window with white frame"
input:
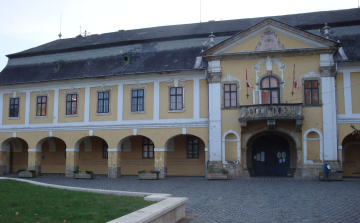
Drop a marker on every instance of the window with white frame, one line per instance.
(311, 91)
(103, 102)
(270, 90)
(14, 107)
(137, 100)
(230, 95)
(71, 104)
(41, 105)
(176, 98)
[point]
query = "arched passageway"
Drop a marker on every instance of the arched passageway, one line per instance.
(271, 153)
(185, 156)
(137, 153)
(351, 156)
(93, 154)
(18, 154)
(53, 155)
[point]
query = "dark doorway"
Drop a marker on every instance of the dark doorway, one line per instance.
(270, 156)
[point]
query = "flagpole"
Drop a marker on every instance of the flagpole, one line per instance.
(292, 90)
(247, 88)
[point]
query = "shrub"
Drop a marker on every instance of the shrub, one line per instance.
(155, 171)
(76, 171)
(32, 171)
(88, 172)
(20, 170)
(224, 171)
(141, 171)
(210, 169)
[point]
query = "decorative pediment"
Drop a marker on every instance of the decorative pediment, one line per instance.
(177, 82)
(310, 75)
(72, 90)
(269, 33)
(269, 61)
(231, 79)
(103, 88)
(137, 86)
(269, 41)
(42, 93)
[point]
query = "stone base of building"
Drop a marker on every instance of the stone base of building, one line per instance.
(236, 171)
(36, 168)
(163, 171)
(4, 169)
(114, 172)
(70, 171)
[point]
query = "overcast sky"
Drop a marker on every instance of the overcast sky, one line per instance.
(26, 24)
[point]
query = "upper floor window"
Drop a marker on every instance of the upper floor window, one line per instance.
(230, 95)
(103, 102)
(105, 150)
(41, 104)
(137, 100)
(311, 89)
(192, 147)
(270, 90)
(14, 107)
(176, 98)
(148, 148)
(71, 104)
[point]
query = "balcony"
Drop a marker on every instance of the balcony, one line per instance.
(271, 113)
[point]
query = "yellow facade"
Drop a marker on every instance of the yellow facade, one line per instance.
(79, 117)
(6, 120)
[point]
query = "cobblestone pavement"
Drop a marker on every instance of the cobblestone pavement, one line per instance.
(244, 200)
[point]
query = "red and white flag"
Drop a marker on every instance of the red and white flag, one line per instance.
(247, 82)
(295, 84)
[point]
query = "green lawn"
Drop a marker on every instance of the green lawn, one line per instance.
(24, 202)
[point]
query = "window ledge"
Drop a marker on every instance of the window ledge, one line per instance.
(103, 113)
(41, 116)
(137, 112)
(318, 105)
(71, 115)
(231, 108)
(13, 118)
(182, 110)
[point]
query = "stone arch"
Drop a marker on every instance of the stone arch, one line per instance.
(237, 147)
(305, 139)
(351, 159)
(178, 161)
(290, 136)
(346, 146)
(53, 158)
(92, 152)
(16, 146)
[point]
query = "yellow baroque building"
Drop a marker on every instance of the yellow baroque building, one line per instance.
(258, 97)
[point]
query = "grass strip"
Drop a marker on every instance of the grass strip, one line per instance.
(24, 202)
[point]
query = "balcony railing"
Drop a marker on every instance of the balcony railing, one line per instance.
(273, 111)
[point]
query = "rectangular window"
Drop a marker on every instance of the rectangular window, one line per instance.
(105, 150)
(103, 102)
(137, 100)
(41, 104)
(176, 98)
(148, 148)
(230, 95)
(192, 148)
(14, 107)
(311, 89)
(71, 104)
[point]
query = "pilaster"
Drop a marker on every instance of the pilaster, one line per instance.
(4, 162)
(161, 162)
(34, 161)
(72, 162)
(114, 163)
(1, 110)
(213, 79)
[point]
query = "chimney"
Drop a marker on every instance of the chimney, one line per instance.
(212, 40)
(326, 31)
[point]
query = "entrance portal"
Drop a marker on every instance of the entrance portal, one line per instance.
(270, 156)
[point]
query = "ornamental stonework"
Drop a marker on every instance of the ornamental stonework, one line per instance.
(269, 41)
(213, 77)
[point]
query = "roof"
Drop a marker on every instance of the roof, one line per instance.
(159, 49)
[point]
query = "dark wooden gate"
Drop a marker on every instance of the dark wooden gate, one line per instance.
(270, 156)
